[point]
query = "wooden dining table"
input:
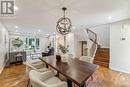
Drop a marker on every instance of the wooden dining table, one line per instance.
(73, 69)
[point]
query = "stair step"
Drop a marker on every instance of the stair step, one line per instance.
(102, 55)
(101, 63)
(102, 59)
(102, 51)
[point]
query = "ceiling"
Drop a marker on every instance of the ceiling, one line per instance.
(40, 16)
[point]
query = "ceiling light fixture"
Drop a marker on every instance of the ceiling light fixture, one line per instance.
(63, 24)
(16, 8)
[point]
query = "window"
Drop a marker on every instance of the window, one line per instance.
(37, 43)
(32, 44)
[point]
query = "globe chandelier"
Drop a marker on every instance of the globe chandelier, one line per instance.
(63, 24)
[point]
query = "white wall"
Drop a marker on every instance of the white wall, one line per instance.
(3, 46)
(43, 44)
(120, 49)
(103, 33)
(71, 43)
(73, 40)
(78, 45)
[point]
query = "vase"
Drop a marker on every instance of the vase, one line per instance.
(64, 57)
(58, 58)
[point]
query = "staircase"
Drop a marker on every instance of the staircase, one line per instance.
(102, 57)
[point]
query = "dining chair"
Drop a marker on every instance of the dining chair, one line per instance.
(87, 59)
(34, 65)
(45, 79)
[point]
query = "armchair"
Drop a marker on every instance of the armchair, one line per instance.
(45, 79)
(37, 66)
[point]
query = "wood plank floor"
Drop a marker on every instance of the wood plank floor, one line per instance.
(14, 76)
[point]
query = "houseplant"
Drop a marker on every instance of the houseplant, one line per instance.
(63, 52)
(63, 49)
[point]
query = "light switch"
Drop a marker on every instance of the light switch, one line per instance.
(123, 38)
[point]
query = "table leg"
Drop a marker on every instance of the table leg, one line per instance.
(46, 66)
(69, 83)
(84, 85)
(28, 82)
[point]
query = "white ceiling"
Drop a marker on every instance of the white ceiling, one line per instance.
(43, 14)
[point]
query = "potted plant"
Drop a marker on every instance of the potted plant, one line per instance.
(63, 51)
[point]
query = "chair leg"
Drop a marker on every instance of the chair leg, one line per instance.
(28, 83)
(84, 85)
(91, 77)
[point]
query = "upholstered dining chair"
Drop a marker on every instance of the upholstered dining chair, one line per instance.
(45, 79)
(34, 65)
(87, 59)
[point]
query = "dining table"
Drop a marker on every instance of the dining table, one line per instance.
(75, 70)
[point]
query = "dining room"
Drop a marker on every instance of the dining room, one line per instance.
(64, 43)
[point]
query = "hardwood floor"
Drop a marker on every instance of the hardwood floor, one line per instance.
(14, 76)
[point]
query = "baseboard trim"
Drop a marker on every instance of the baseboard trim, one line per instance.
(2, 68)
(4, 65)
(119, 70)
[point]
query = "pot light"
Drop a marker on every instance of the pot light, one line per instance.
(16, 26)
(109, 17)
(16, 31)
(34, 32)
(16, 8)
(39, 30)
(47, 34)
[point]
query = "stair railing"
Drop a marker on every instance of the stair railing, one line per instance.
(92, 36)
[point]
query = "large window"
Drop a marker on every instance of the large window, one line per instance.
(32, 44)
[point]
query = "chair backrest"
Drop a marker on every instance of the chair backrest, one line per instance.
(35, 79)
(29, 67)
(87, 59)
